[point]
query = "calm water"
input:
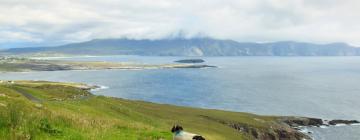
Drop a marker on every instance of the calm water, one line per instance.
(323, 87)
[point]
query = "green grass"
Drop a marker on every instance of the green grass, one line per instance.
(63, 114)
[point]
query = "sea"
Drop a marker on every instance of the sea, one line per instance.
(321, 87)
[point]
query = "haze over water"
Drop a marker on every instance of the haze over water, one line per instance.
(322, 87)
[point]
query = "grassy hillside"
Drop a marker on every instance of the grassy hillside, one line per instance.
(47, 110)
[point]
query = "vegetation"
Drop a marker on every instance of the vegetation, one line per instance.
(48, 110)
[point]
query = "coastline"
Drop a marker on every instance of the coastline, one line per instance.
(26, 65)
(302, 124)
(232, 125)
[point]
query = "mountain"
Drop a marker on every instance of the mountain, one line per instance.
(192, 47)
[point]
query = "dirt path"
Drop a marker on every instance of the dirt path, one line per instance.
(27, 95)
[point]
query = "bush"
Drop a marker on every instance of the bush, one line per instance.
(47, 128)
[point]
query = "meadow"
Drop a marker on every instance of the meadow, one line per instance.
(68, 111)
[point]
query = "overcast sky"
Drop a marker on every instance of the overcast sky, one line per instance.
(51, 22)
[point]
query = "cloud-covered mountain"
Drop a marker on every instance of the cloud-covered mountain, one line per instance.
(193, 47)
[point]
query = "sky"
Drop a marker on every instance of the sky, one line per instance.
(26, 23)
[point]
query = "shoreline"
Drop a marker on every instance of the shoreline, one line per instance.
(27, 65)
(46, 95)
(300, 124)
(281, 130)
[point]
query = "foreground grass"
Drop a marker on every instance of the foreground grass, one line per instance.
(46, 110)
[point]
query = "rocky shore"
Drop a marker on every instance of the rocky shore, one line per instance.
(73, 103)
(278, 131)
(287, 128)
(297, 123)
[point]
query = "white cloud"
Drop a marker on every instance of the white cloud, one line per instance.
(16, 36)
(66, 21)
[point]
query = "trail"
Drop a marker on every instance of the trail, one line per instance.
(27, 95)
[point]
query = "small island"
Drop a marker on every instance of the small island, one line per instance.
(190, 61)
(49, 110)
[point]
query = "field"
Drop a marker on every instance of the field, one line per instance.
(68, 111)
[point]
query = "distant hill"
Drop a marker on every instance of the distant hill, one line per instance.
(192, 47)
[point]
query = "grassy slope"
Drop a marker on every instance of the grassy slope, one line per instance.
(64, 111)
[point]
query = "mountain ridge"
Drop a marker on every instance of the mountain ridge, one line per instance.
(192, 47)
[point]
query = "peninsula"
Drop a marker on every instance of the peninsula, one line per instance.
(18, 64)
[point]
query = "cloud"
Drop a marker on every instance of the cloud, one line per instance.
(56, 22)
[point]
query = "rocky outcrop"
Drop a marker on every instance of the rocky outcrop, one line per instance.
(298, 123)
(277, 131)
(285, 128)
(303, 121)
(347, 122)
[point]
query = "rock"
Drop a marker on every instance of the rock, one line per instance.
(276, 132)
(302, 121)
(315, 122)
(190, 61)
(88, 87)
(347, 122)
